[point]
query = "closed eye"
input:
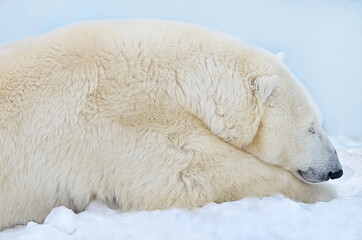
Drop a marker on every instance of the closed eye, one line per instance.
(311, 130)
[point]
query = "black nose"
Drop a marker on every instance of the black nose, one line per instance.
(334, 175)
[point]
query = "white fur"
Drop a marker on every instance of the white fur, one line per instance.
(149, 114)
(280, 56)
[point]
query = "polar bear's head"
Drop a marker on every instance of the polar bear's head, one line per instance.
(290, 133)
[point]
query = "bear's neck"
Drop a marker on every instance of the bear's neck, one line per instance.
(220, 97)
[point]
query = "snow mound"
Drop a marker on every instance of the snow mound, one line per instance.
(63, 219)
(251, 218)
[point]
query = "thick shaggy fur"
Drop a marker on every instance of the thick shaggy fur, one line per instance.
(148, 114)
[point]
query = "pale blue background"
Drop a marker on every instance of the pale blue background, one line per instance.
(322, 39)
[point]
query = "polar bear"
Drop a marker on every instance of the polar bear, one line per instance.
(151, 115)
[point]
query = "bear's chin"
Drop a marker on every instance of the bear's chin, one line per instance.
(305, 177)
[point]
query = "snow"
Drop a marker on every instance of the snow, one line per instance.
(63, 219)
(269, 218)
(322, 39)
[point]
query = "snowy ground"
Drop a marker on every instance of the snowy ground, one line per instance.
(253, 218)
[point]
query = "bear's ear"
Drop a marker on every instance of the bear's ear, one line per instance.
(280, 56)
(264, 85)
